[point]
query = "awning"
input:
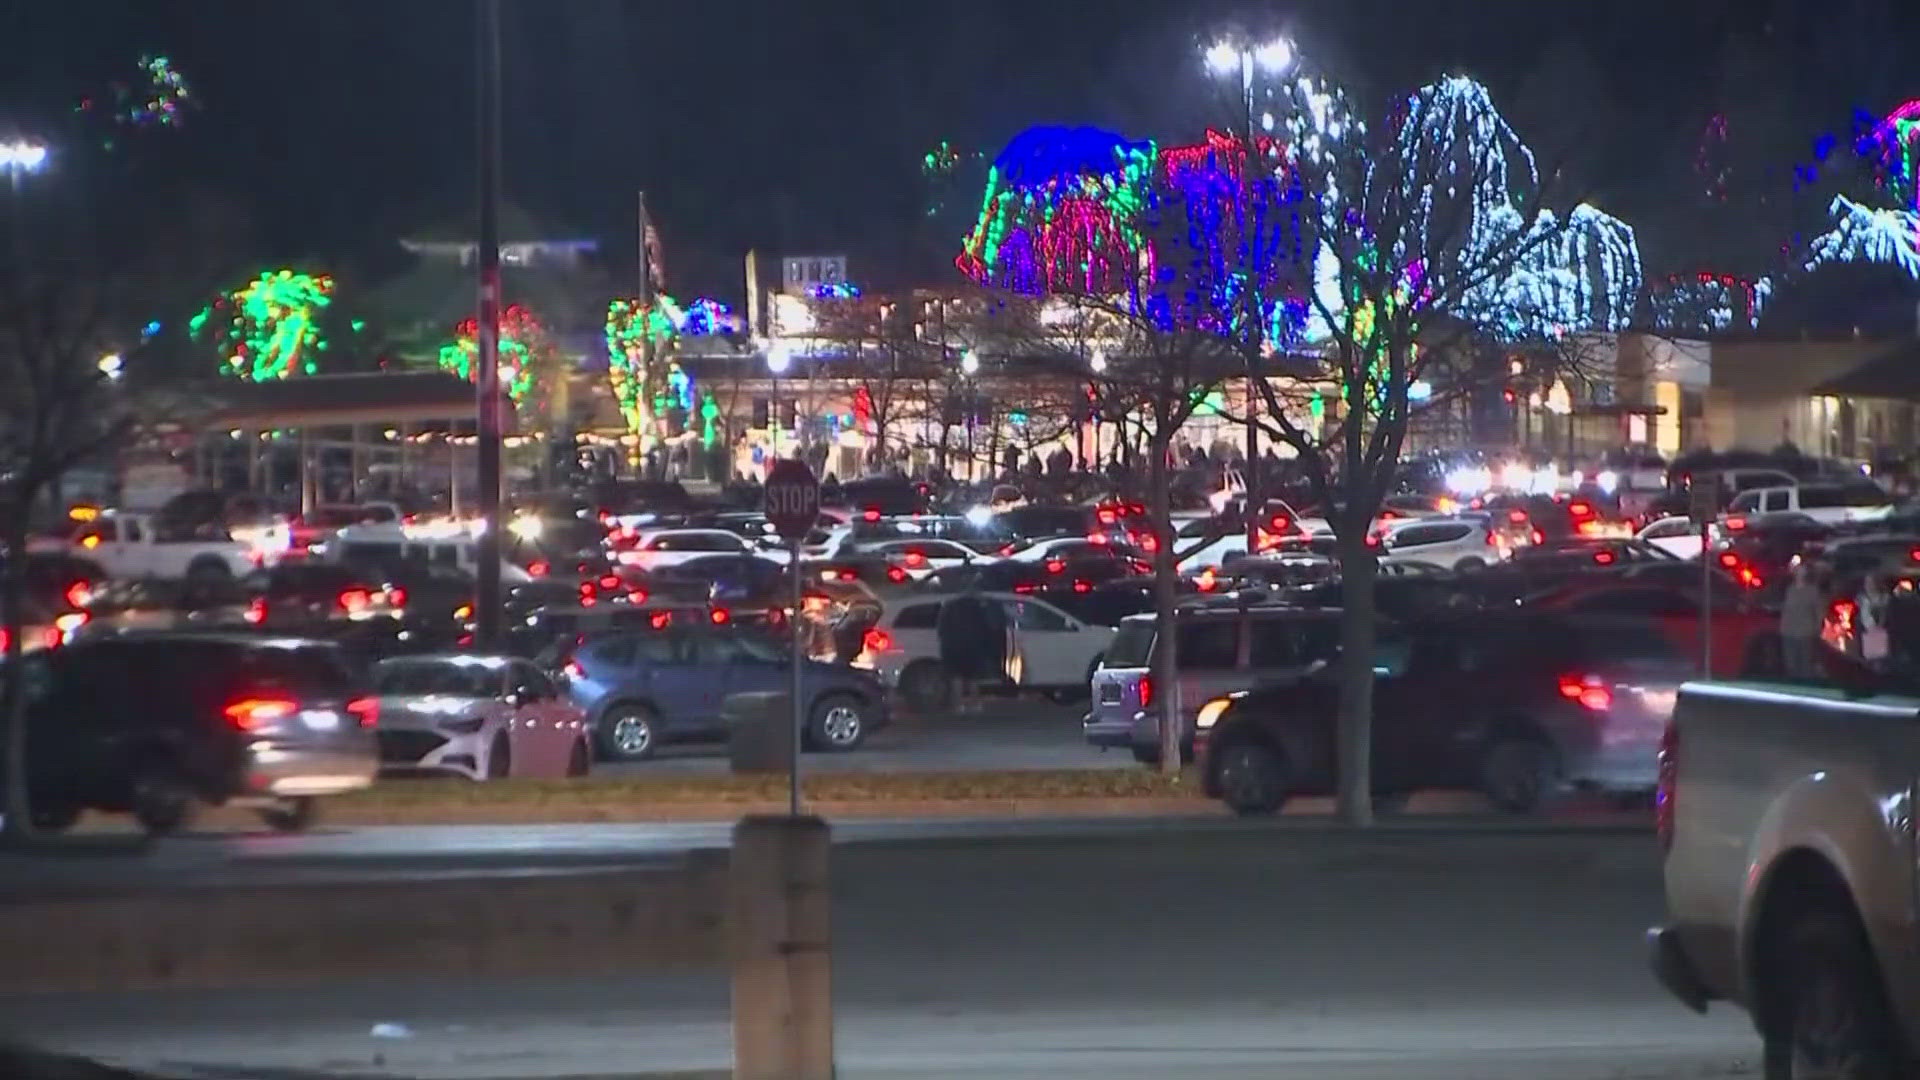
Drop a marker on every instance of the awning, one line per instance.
(1893, 374)
(337, 400)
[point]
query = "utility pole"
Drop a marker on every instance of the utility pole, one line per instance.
(646, 325)
(487, 601)
(1256, 326)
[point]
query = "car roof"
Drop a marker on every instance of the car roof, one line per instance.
(212, 637)
(461, 659)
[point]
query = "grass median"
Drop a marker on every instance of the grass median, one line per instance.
(643, 798)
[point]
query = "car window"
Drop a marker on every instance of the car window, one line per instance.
(1811, 498)
(1209, 645)
(1745, 503)
(1664, 530)
(1028, 615)
(619, 650)
(531, 684)
(918, 617)
(1281, 643)
(1429, 534)
(1132, 646)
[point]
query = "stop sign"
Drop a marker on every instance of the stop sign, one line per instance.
(793, 498)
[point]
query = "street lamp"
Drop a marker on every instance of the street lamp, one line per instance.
(779, 359)
(970, 363)
(1098, 361)
(1226, 58)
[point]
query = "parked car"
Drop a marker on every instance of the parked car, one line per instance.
(668, 547)
(1054, 652)
(646, 687)
(295, 595)
(1448, 543)
(1829, 504)
(1532, 705)
(136, 545)
(154, 724)
(478, 716)
(1221, 649)
(1677, 536)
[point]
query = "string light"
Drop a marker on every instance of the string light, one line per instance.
(525, 351)
(158, 96)
(269, 328)
(1867, 234)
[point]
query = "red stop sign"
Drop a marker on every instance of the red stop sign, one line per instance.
(793, 498)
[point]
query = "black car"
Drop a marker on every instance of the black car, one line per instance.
(153, 724)
(1515, 704)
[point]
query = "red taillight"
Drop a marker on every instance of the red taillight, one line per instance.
(1539, 537)
(1054, 566)
(1149, 543)
(251, 714)
(1914, 555)
(1096, 538)
(1843, 613)
(256, 612)
(1025, 588)
(1750, 579)
(1668, 786)
(538, 568)
(1589, 690)
(916, 558)
(1146, 690)
(870, 514)
(366, 710)
(848, 575)
(1388, 515)
(637, 596)
(720, 616)
(1729, 560)
(1206, 582)
(1604, 558)
(1278, 523)
(1579, 509)
(397, 596)
(660, 619)
(1518, 517)
(1107, 516)
(79, 594)
(896, 575)
(609, 581)
(876, 641)
(355, 599)
(6, 639)
(1083, 586)
(1735, 524)
(573, 670)
(1006, 549)
(587, 590)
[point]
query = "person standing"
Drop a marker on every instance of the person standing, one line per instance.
(973, 646)
(1801, 612)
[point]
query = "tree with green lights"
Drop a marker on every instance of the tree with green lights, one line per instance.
(269, 328)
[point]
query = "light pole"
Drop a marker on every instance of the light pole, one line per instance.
(488, 625)
(1242, 57)
(779, 359)
(969, 367)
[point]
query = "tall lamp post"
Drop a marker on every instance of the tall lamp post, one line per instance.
(779, 359)
(969, 367)
(487, 600)
(1239, 58)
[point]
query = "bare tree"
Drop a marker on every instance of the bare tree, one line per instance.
(875, 353)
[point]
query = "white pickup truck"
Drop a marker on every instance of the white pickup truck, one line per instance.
(1792, 873)
(128, 546)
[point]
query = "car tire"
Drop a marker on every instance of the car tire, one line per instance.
(1518, 773)
(208, 570)
(837, 723)
(579, 759)
(500, 758)
(628, 733)
(162, 800)
(1469, 564)
(925, 687)
(292, 815)
(1835, 1021)
(53, 819)
(1251, 778)
(1146, 755)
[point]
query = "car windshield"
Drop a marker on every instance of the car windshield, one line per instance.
(1132, 646)
(409, 677)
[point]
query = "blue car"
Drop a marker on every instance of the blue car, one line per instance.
(645, 687)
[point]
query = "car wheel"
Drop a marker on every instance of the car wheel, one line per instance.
(292, 815)
(1836, 1024)
(925, 687)
(628, 733)
(162, 801)
(500, 758)
(1146, 755)
(580, 759)
(53, 819)
(208, 570)
(1469, 564)
(1252, 779)
(838, 722)
(1518, 773)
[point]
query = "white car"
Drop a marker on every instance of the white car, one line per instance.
(918, 558)
(481, 717)
(1053, 651)
(1448, 543)
(1214, 555)
(671, 547)
(1826, 503)
(1677, 536)
(1057, 547)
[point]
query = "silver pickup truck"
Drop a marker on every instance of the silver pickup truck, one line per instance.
(1792, 880)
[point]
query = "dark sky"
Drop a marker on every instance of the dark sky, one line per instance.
(336, 126)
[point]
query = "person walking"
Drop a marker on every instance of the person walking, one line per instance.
(973, 646)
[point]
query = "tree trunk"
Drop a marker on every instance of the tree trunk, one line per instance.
(1165, 599)
(13, 701)
(1354, 721)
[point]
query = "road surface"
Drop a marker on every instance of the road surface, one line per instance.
(1117, 951)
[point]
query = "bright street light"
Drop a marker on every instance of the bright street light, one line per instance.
(22, 156)
(1230, 56)
(1098, 361)
(779, 357)
(969, 362)
(111, 365)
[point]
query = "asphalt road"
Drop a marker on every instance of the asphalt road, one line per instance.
(1011, 733)
(1121, 951)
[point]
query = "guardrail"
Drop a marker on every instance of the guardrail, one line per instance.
(761, 908)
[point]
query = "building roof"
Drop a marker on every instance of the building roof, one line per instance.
(379, 398)
(1894, 373)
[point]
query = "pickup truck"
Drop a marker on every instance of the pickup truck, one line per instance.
(1792, 881)
(128, 546)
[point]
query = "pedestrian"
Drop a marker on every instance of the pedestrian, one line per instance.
(973, 646)
(1801, 612)
(1870, 621)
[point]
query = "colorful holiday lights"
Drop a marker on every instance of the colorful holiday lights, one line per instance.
(526, 353)
(268, 328)
(158, 96)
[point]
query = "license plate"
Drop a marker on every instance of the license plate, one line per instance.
(1110, 694)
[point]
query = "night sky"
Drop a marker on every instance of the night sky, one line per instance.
(332, 128)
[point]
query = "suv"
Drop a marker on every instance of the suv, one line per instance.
(1448, 543)
(153, 723)
(1221, 650)
(1053, 651)
(1532, 704)
(667, 683)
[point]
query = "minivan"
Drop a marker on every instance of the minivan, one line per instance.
(1222, 648)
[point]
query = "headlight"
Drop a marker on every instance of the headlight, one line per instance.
(1211, 712)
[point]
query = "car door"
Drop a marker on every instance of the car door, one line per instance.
(1046, 644)
(726, 668)
(666, 673)
(540, 736)
(1418, 712)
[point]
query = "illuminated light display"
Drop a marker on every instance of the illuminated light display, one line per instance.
(1867, 234)
(269, 328)
(629, 326)
(1708, 303)
(525, 351)
(158, 96)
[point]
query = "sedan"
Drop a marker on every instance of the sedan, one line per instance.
(481, 717)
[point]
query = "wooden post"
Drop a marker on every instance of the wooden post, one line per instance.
(778, 909)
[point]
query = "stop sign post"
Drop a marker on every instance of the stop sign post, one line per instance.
(793, 505)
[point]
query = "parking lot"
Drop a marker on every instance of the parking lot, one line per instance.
(1010, 733)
